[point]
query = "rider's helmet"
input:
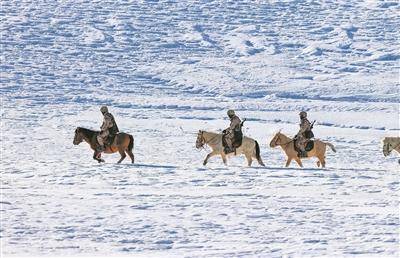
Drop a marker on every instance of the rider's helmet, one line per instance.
(104, 109)
(303, 114)
(231, 112)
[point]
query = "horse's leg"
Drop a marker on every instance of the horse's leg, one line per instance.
(299, 162)
(288, 162)
(206, 159)
(322, 160)
(223, 156)
(129, 148)
(123, 155)
(209, 155)
(130, 153)
(319, 160)
(249, 159)
(97, 156)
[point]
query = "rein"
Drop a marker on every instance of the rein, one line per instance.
(206, 142)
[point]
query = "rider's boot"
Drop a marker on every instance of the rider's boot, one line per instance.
(302, 154)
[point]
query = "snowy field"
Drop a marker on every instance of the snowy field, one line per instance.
(169, 68)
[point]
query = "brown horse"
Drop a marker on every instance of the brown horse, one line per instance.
(287, 145)
(249, 147)
(122, 143)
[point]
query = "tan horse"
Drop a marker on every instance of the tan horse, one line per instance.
(389, 144)
(249, 147)
(123, 142)
(287, 145)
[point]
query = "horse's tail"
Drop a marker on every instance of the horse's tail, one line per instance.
(331, 145)
(130, 146)
(258, 154)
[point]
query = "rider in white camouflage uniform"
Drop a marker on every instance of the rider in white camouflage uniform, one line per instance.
(301, 139)
(229, 133)
(109, 128)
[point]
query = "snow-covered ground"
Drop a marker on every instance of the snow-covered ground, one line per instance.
(169, 68)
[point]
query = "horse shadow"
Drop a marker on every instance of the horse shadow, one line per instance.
(137, 165)
(153, 166)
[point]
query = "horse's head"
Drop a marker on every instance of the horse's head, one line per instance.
(276, 140)
(387, 147)
(200, 141)
(78, 138)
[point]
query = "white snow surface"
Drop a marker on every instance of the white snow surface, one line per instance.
(169, 68)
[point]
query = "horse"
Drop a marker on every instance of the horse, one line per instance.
(249, 147)
(123, 143)
(389, 144)
(288, 147)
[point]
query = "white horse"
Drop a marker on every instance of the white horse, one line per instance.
(249, 147)
(389, 144)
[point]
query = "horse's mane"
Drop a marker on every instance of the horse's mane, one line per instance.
(208, 132)
(391, 139)
(87, 132)
(282, 134)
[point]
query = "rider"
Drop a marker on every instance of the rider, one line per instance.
(234, 128)
(302, 136)
(108, 129)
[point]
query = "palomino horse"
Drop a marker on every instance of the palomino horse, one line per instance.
(389, 144)
(123, 142)
(249, 147)
(287, 145)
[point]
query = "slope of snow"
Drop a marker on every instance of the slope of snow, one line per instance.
(169, 68)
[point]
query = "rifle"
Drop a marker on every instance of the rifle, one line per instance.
(312, 125)
(244, 120)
